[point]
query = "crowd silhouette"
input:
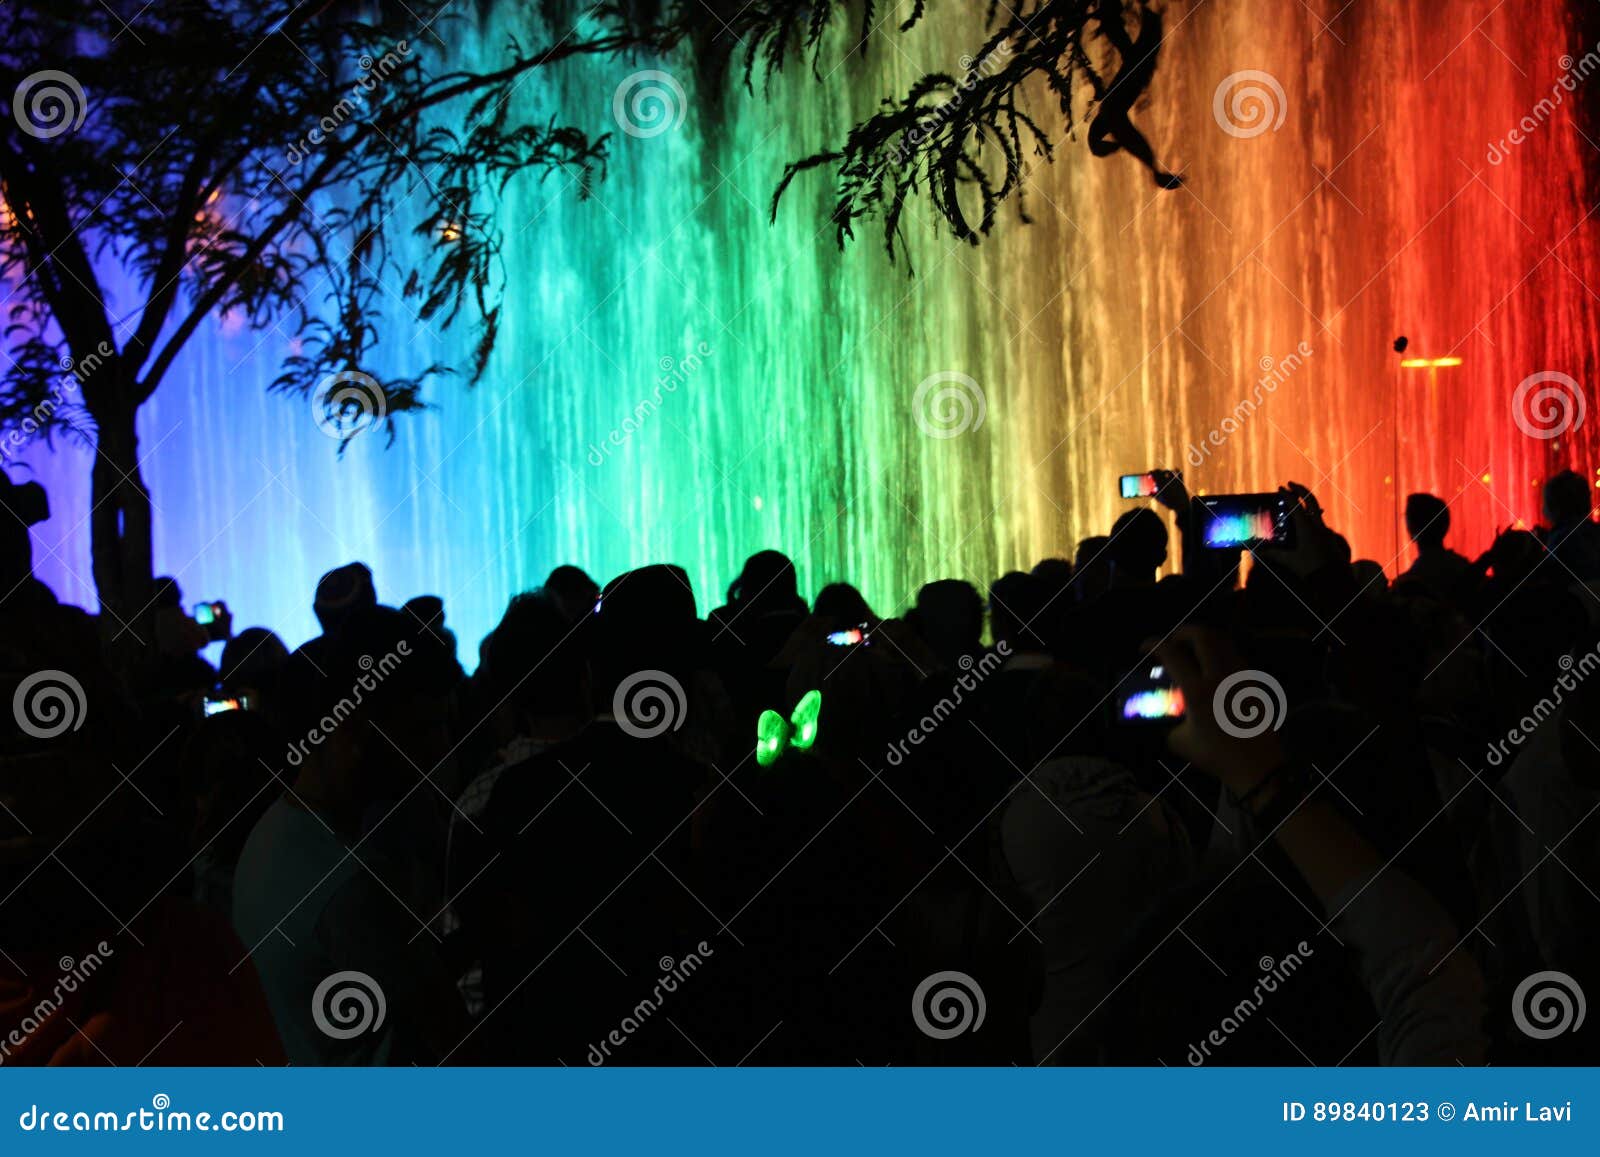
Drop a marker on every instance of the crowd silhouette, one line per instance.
(792, 833)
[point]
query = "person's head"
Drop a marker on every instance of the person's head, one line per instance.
(342, 592)
(646, 621)
(949, 619)
(572, 592)
(373, 690)
(842, 603)
(1566, 499)
(166, 594)
(252, 661)
(1427, 520)
(1369, 576)
(1091, 568)
(1514, 556)
(536, 665)
(1054, 575)
(1138, 547)
(426, 613)
(767, 581)
(1016, 604)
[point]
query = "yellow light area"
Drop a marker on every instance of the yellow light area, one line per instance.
(449, 231)
(1429, 363)
(1486, 479)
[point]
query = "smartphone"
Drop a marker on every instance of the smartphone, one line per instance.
(1246, 520)
(210, 616)
(1151, 697)
(1138, 485)
(237, 703)
(854, 637)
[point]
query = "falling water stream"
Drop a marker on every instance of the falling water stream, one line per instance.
(1354, 200)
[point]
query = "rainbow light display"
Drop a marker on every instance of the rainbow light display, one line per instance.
(1117, 333)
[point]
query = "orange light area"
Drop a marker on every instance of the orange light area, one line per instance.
(1429, 363)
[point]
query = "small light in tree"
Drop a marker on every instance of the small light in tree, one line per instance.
(448, 231)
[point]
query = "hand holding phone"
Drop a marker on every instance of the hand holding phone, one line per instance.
(215, 618)
(1232, 521)
(1139, 485)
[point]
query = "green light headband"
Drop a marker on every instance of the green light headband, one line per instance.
(799, 731)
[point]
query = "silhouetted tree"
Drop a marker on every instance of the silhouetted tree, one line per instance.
(264, 160)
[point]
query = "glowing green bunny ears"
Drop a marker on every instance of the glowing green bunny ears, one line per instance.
(799, 731)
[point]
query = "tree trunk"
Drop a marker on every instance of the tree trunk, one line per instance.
(119, 525)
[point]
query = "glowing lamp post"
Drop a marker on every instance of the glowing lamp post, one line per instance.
(1433, 366)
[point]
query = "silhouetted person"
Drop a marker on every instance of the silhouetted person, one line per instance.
(312, 896)
(842, 604)
(1438, 569)
(763, 609)
(592, 832)
(1138, 547)
(1573, 537)
(572, 592)
(342, 592)
(948, 618)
